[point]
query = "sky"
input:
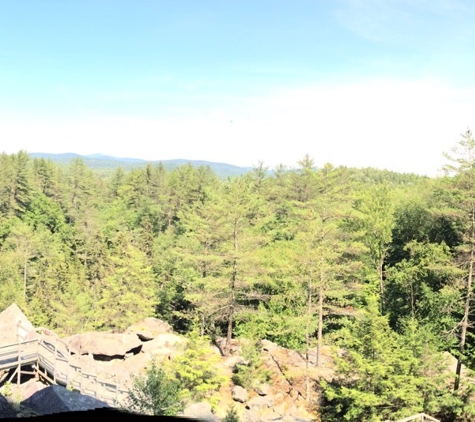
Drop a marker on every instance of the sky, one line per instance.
(362, 83)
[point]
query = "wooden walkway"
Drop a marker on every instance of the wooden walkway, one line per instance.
(49, 358)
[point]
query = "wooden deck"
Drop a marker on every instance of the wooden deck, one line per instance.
(50, 359)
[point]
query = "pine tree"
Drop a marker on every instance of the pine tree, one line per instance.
(462, 195)
(381, 375)
(128, 292)
(373, 222)
(218, 265)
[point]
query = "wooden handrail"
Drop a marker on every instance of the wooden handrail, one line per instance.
(35, 351)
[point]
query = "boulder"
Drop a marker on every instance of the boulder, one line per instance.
(239, 394)
(15, 326)
(200, 411)
(56, 399)
(164, 344)
(261, 415)
(149, 328)
(263, 389)
(234, 346)
(260, 402)
(268, 346)
(232, 361)
(6, 409)
(27, 389)
(114, 345)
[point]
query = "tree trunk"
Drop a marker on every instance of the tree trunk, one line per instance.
(381, 285)
(320, 319)
(307, 340)
(24, 278)
(233, 294)
(463, 334)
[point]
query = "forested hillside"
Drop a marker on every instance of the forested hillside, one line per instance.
(104, 164)
(377, 263)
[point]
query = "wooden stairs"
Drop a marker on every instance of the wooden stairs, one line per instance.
(50, 359)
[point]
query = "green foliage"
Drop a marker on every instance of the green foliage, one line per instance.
(197, 371)
(423, 286)
(278, 318)
(127, 294)
(6, 389)
(231, 415)
(381, 375)
(155, 394)
(258, 256)
(372, 225)
(253, 372)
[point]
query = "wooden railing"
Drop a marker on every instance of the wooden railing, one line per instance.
(14, 354)
(51, 359)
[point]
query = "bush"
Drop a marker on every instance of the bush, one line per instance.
(231, 415)
(155, 394)
(197, 371)
(253, 372)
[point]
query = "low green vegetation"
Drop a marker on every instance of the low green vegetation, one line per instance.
(231, 415)
(253, 371)
(155, 393)
(379, 265)
(197, 372)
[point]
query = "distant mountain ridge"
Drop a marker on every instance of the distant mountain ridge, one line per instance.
(106, 163)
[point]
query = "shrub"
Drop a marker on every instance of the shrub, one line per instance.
(253, 372)
(231, 415)
(197, 371)
(155, 394)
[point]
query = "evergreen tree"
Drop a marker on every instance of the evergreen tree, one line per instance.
(128, 292)
(462, 196)
(217, 252)
(383, 376)
(373, 223)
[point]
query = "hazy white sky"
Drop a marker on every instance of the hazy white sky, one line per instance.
(380, 83)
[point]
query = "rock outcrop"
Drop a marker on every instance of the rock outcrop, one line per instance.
(55, 399)
(104, 345)
(149, 328)
(6, 409)
(200, 411)
(119, 356)
(15, 326)
(239, 394)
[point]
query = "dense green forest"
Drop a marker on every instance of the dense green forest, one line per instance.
(377, 263)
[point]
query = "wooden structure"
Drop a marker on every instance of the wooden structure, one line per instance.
(50, 359)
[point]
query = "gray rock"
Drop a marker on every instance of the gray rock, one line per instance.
(260, 416)
(15, 326)
(163, 344)
(201, 411)
(268, 346)
(263, 389)
(260, 402)
(105, 344)
(27, 389)
(232, 361)
(149, 328)
(239, 394)
(55, 399)
(251, 416)
(6, 409)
